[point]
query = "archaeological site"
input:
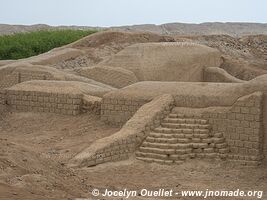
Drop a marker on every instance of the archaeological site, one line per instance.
(131, 109)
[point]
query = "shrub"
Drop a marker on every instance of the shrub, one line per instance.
(23, 45)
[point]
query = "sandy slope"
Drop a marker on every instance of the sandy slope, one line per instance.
(34, 149)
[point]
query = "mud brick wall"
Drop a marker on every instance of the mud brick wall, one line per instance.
(91, 104)
(69, 104)
(8, 80)
(119, 111)
(2, 97)
(242, 127)
(265, 124)
(28, 75)
(122, 144)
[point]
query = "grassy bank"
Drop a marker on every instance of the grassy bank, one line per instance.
(23, 45)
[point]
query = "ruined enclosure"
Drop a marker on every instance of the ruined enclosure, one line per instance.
(167, 102)
(217, 120)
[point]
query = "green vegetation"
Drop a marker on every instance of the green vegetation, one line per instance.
(23, 45)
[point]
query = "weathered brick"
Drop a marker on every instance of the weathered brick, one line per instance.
(245, 110)
(249, 117)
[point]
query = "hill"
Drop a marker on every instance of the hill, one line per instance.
(209, 28)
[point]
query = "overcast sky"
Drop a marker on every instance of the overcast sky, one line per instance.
(128, 12)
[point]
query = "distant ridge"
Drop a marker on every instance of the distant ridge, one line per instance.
(6, 29)
(208, 28)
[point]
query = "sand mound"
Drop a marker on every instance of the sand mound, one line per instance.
(166, 61)
(54, 56)
(114, 76)
(22, 71)
(111, 38)
(103, 45)
(216, 74)
(67, 87)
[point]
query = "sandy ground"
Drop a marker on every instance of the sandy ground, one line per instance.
(34, 150)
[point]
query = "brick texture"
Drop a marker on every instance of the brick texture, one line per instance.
(119, 111)
(242, 127)
(69, 104)
(123, 144)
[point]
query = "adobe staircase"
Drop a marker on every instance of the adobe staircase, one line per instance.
(181, 137)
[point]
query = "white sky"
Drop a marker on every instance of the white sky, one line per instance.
(128, 12)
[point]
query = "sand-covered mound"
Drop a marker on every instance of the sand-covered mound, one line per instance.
(67, 87)
(22, 71)
(103, 45)
(114, 76)
(174, 61)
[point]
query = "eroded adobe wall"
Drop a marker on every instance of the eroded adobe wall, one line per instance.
(242, 122)
(265, 126)
(62, 103)
(33, 75)
(2, 97)
(64, 97)
(119, 106)
(91, 104)
(8, 80)
(260, 84)
(119, 111)
(122, 144)
(242, 126)
(48, 102)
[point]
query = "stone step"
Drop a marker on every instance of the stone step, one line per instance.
(165, 151)
(187, 116)
(180, 154)
(204, 137)
(181, 137)
(157, 150)
(207, 155)
(166, 146)
(152, 155)
(185, 121)
(183, 116)
(168, 140)
(180, 130)
(186, 126)
(164, 135)
(159, 161)
(162, 157)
